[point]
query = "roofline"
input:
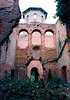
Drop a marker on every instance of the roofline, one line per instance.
(35, 8)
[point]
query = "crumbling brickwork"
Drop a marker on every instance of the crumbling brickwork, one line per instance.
(29, 47)
(38, 52)
(9, 18)
(63, 44)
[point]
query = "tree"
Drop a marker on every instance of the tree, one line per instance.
(63, 11)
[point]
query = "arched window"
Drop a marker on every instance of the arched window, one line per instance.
(27, 18)
(64, 73)
(35, 15)
(42, 18)
(23, 39)
(36, 38)
(49, 42)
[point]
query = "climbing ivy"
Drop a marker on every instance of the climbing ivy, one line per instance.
(68, 40)
(60, 45)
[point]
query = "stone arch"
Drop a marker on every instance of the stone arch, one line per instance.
(36, 37)
(49, 38)
(64, 74)
(37, 64)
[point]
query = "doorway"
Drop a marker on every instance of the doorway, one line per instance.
(64, 77)
(34, 74)
(36, 67)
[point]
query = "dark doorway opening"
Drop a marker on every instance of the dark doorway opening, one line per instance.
(64, 73)
(12, 74)
(34, 74)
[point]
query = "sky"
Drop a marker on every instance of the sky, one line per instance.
(48, 5)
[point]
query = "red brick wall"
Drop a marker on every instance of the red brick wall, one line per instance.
(21, 57)
(52, 67)
(50, 53)
(65, 57)
(4, 69)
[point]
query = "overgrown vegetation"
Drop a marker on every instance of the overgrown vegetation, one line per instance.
(63, 11)
(22, 89)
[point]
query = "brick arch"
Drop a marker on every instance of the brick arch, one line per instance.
(22, 41)
(64, 73)
(49, 39)
(36, 64)
(23, 30)
(36, 37)
(49, 30)
(36, 30)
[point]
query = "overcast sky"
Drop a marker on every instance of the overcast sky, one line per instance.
(48, 5)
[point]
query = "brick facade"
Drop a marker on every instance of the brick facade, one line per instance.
(65, 57)
(37, 50)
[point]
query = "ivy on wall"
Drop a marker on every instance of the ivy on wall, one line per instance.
(59, 46)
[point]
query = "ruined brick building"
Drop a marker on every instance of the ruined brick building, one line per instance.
(34, 46)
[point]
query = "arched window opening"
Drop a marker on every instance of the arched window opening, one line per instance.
(64, 73)
(27, 18)
(36, 48)
(42, 18)
(35, 15)
(36, 38)
(34, 74)
(23, 39)
(49, 40)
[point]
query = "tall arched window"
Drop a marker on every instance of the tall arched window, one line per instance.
(64, 77)
(27, 18)
(36, 38)
(35, 15)
(49, 42)
(23, 39)
(42, 18)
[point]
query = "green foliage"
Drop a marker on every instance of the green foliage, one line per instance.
(68, 40)
(60, 45)
(24, 66)
(63, 11)
(21, 89)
